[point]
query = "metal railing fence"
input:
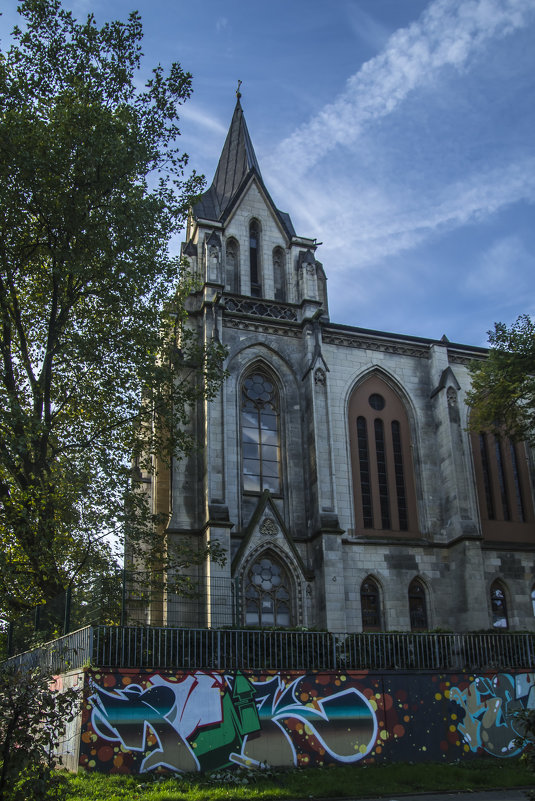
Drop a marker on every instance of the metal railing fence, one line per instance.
(155, 647)
(307, 650)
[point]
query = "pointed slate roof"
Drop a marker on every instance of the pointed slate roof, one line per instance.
(236, 164)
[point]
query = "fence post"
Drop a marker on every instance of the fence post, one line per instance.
(67, 615)
(123, 599)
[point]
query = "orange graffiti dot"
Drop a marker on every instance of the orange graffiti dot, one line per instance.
(304, 697)
(86, 737)
(118, 760)
(406, 718)
(378, 750)
(399, 730)
(127, 680)
(105, 753)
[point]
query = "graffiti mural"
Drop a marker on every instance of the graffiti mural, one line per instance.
(490, 705)
(204, 721)
(137, 721)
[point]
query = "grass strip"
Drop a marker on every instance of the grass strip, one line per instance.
(355, 781)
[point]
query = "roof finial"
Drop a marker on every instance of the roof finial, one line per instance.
(238, 93)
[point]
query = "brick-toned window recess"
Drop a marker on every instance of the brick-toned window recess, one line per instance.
(498, 606)
(417, 606)
(370, 603)
(267, 594)
(381, 460)
(279, 274)
(232, 265)
(260, 435)
(254, 259)
(503, 487)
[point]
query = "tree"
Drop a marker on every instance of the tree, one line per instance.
(33, 719)
(97, 361)
(503, 385)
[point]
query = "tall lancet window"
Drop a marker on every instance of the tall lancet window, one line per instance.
(383, 479)
(232, 265)
(279, 274)
(260, 435)
(254, 259)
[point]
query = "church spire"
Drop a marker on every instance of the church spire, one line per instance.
(236, 162)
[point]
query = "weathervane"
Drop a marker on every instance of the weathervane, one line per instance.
(238, 93)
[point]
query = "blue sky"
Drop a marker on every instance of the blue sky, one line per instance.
(400, 133)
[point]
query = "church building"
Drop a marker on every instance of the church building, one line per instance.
(336, 469)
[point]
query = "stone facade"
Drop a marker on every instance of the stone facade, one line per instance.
(327, 517)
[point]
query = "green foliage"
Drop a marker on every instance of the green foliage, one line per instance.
(33, 719)
(503, 386)
(97, 359)
(351, 781)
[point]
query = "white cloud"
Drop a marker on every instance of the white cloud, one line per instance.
(198, 116)
(448, 34)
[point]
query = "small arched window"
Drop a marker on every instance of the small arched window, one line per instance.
(417, 606)
(279, 274)
(498, 606)
(254, 259)
(260, 434)
(533, 599)
(232, 265)
(267, 591)
(370, 603)
(381, 460)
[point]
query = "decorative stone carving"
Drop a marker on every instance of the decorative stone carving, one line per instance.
(319, 377)
(268, 527)
(262, 308)
(451, 396)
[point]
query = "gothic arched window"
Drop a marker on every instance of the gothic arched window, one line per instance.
(267, 591)
(417, 606)
(370, 603)
(260, 434)
(279, 274)
(254, 259)
(232, 265)
(503, 487)
(381, 460)
(498, 606)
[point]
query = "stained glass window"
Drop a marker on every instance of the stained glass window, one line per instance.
(370, 602)
(498, 606)
(267, 594)
(260, 435)
(254, 257)
(417, 606)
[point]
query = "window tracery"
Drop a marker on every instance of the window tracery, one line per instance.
(267, 591)
(260, 433)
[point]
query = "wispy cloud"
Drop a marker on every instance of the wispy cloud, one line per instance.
(203, 119)
(505, 257)
(378, 223)
(448, 34)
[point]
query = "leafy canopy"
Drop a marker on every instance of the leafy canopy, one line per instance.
(94, 345)
(503, 386)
